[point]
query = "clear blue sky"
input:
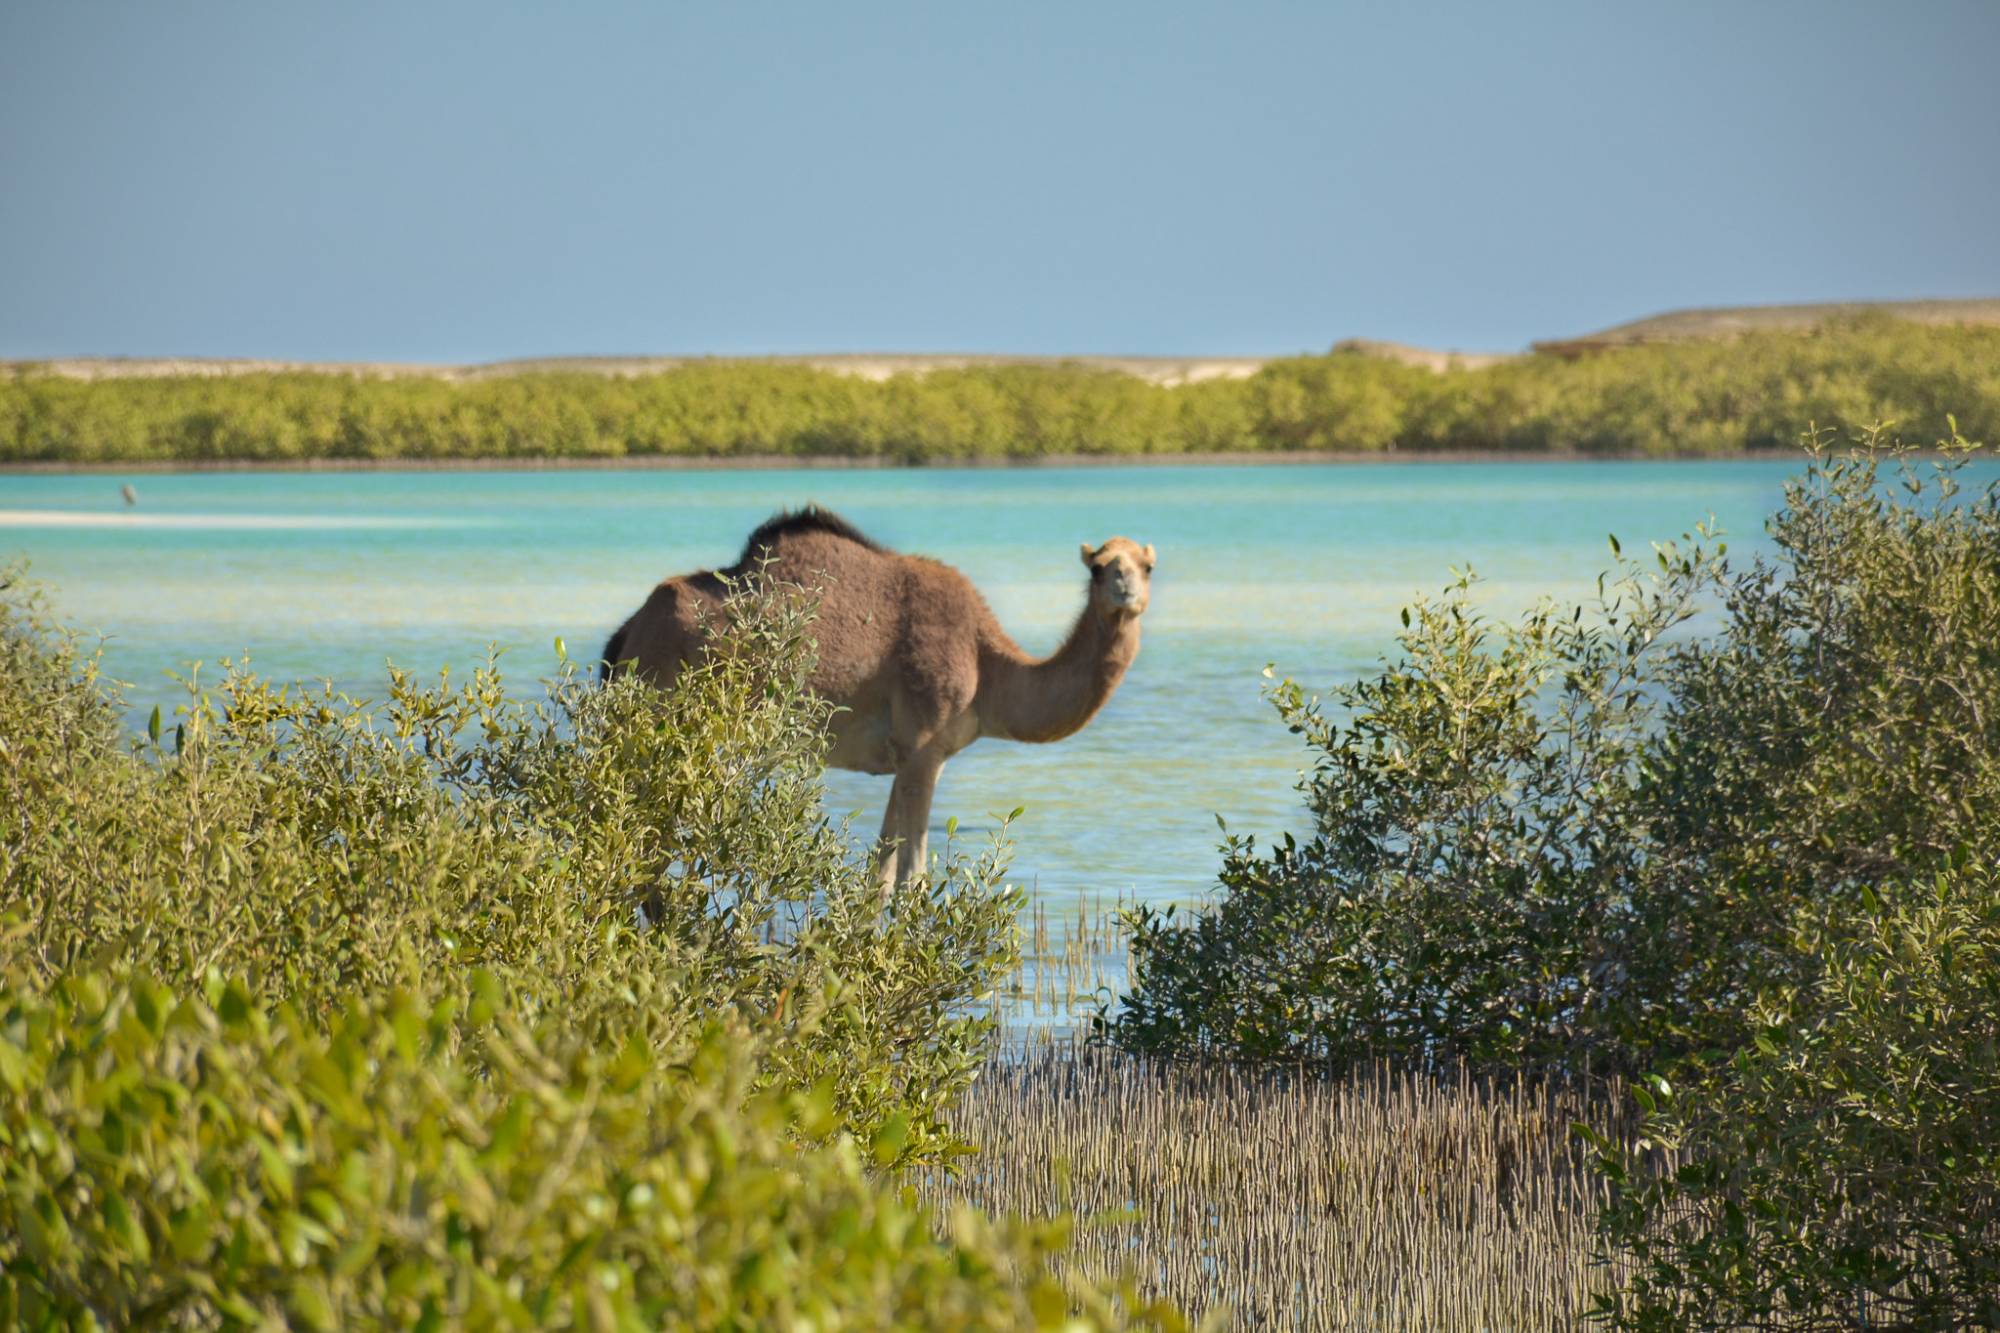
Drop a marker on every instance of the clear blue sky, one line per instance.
(459, 182)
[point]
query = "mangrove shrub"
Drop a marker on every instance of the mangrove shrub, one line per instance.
(1684, 398)
(177, 1159)
(623, 857)
(1842, 1168)
(1586, 838)
(1728, 831)
(462, 1010)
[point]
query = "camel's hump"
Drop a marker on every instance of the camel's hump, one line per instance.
(792, 522)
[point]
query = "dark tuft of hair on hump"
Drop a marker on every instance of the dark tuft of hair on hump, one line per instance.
(787, 522)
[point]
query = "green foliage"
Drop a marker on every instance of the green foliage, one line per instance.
(1585, 840)
(1460, 900)
(627, 858)
(1699, 398)
(1837, 733)
(464, 1011)
(1842, 1169)
(1732, 825)
(169, 1160)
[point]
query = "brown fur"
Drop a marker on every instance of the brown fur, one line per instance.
(911, 655)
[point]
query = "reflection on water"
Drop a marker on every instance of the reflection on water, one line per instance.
(329, 575)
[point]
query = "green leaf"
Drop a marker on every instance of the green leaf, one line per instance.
(118, 1220)
(312, 1304)
(15, 1069)
(189, 1231)
(278, 1175)
(889, 1138)
(1589, 1135)
(498, 1154)
(235, 1005)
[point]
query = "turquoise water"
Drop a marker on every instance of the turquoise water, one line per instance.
(329, 575)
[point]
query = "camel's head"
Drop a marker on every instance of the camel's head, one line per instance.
(1121, 576)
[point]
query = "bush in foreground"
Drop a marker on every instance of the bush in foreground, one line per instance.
(170, 1160)
(1729, 832)
(623, 859)
(1587, 839)
(462, 1012)
(1842, 1168)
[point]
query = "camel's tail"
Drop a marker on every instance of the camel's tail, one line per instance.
(613, 646)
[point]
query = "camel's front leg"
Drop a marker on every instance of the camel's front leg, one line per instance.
(891, 841)
(904, 851)
(913, 854)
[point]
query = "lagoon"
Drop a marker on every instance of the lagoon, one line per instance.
(1303, 567)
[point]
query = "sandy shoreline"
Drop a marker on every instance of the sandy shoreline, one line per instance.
(669, 463)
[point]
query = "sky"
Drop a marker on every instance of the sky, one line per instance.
(446, 182)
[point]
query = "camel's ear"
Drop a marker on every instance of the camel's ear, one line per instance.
(1149, 555)
(1088, 554)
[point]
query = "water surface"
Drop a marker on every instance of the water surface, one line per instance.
(330, 575)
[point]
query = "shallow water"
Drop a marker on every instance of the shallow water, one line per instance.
(327, 575)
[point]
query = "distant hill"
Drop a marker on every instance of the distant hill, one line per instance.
(1732, 321)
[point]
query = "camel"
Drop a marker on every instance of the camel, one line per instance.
(911, 656)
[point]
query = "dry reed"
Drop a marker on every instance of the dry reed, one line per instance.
(1069, 961)
(1290, 1200)
(1282, 1199)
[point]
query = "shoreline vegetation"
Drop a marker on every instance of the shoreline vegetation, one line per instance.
(1738, 388)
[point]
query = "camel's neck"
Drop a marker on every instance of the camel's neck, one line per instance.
(1028, 700)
